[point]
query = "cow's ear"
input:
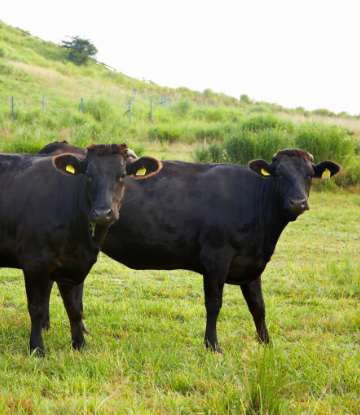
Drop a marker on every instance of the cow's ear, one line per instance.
(143, 167)
(262, 167)
(326, 169)
(69, 164)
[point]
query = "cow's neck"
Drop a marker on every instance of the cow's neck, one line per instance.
(95, 235)
(270, 210)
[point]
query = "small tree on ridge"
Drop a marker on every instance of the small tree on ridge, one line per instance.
(80, 49)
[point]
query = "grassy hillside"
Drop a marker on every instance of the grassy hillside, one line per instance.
(202, 123)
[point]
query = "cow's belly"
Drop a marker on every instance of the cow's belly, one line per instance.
(154, 253)
(244, 269)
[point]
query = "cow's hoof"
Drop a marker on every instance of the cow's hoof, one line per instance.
(79, 346)
(219, 351)
(37, 352)
(265, 342)
(213, 347)
(46, 326)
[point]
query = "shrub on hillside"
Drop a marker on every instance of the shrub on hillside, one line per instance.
(260, 109)
(30, 116)
(100, 109)
(168, 132)
(222, 114)
(212, 153)
(246, 145)
(80, 50)
(189, 132)
(350, 175)
(28, 141)
(242, 146)
(325, 142)
(213, 131)
(5, 68)
(245, 99)
(268, 121)
(325, 112)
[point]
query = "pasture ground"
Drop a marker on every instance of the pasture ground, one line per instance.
(145, 352)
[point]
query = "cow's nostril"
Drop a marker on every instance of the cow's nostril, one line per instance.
(102, 214)
(298, 203)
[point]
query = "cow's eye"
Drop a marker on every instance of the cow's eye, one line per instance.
(308, 177)
(278, 175)
(122, 177)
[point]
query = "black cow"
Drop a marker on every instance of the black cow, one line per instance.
(53, 221)
(221, 221)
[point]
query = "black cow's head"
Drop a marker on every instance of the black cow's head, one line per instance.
(292, 172)
(105, 168)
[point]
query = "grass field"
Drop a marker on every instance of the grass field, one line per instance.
(145, 352)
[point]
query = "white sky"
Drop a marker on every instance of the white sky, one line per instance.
(295, 53)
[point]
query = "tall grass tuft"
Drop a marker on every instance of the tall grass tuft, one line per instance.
(28, 141)
(266, 383)
(247, 145)
(242, 146)
(267, 121)
(100, 109)
(325, 142)
(213, 153)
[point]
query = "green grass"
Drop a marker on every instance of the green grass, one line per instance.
(145, 352)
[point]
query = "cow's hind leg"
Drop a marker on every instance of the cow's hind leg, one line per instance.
(37, 296)
(72, 298)
(255, 301)
(46, 322)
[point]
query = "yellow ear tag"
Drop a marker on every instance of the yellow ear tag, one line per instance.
(326, 174)
(70, 169)
(141, 172)
(264, 172)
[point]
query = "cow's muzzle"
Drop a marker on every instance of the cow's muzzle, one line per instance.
(297, 206)
(103, 216)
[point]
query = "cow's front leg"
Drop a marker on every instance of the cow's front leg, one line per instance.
(213, 288)
(46, 322)
(37, 296)
(255, 301)
(72, 298)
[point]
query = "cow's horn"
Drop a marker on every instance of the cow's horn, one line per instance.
(130, 153)
(274, 157)
(86, 151)
(312, 157)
